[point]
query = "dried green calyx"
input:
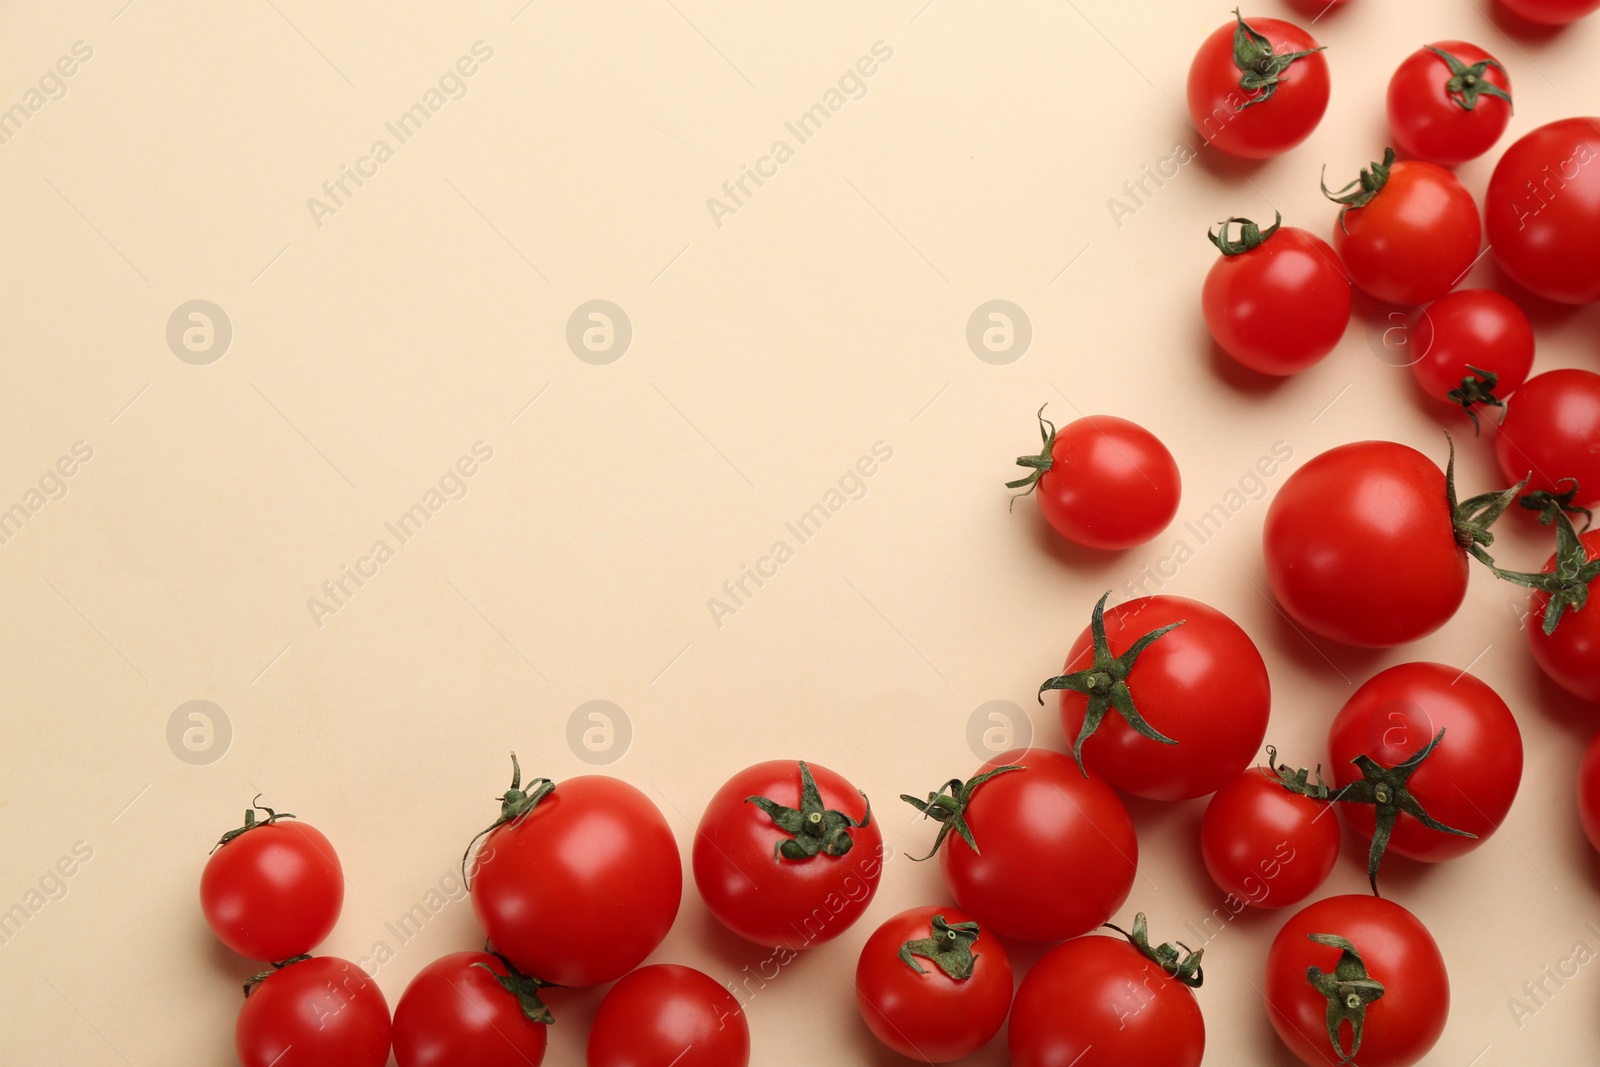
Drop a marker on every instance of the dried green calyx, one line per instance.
(1467, 83)
(948, 807)
(813, 827)
(948, 947)
(1261, 68)
(1251, 236)
(251, 822)
(1360, 192)
(515, 802)
(1181, 966)
(1349, 990)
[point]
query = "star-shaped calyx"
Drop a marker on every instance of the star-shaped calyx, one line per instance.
(949, 948)
(1568, 582)
(1387, 790)
(813, 827)
(1349, 990)
(1181, 966)
(948, 807)
(524, 987)
(1261, 68)
(1467, 83)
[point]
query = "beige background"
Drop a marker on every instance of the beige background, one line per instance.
(825, 314)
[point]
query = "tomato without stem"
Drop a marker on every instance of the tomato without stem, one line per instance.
(669, 1016)
(273, 888)
(1257, 87)
(469, 1009)
(1476, 348)
(1570, 654)
(1552, 429)
(1552, 12)
(1543, 211)
(1449, 102)
(317, 1012)
(1266, 845)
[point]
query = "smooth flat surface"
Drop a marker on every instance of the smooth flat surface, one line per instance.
(429, 311)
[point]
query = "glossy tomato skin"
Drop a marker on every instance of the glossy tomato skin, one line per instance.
(1360, 546)
(667, 1015)
(1589, 793)
(1468, 782)
(1096, 1002)
(321, 1012)
(1399, 952)
(1552, 428)
(1414, 240)
(1571, 655)
(1056, 851)
(1552, 12)
(782, 903)
(930, 1016)
(579, 890)
(1472, 328)
(1429, 123)
(455, 1014)
(1221, 110)
(1280, 307)
(1204, 685)
(274, 891)
(1543, 211)
(1265, 845)
(1111, 484)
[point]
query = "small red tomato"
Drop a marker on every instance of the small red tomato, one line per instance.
(1188, 688)
(1552, 12)
(666, 1015)
(1109, 1002)
(1408, 231)
(933, 986)
(1039, 853)
(1277, 301)
(1356, 979)
(1102, 481)
(787, 854)
(1552, 428)
(316, 1012)
(1449, 102)
(1570, 652)
(470, 1009)
(1543, 211)
(272, 889)
(1589, 793)
(1476, 348)
(1265, 844)
(1258, 88)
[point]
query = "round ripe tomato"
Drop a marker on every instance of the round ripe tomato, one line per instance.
(1571, 654)
(1543, 211)
(1477, 348)
(1199, 694)
(1552, 428)
(1276, 301)
(1257, 89)
(576, 885)
(469, 1009)
(788, 854)
(1589, 793)
(1552, 12)
(1449, 102)
(1102, 481)
(669, 1016)
(932, 985)
(1408, 231)
(316, 1012)
(272, 889)
(1106, 1002)
(1040, 852)
(1266, 845)
(1391, 948)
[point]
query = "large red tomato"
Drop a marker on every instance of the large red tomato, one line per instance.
(1552, 429)
(1543, 211)
(1449, 102)
(1476, 348)
(317, 1011)
(788, 854)
(576, 885)
(1356, 979)
(470, 1009)
(1569, 652)
(1165, 697)
(272, 889)
(1258, 88)
(667, 1015)
(1267, 845)
(1552, 12)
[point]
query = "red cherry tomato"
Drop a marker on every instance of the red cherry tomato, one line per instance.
(1276, 302)
(669, 1016)
(1476, 348)
(1543, 211)
(1408, 231)
(1257, 88)
(458, 1012)
(788, 854)
(1552, 428)
(272, 889)
(948, 999)
(578, 883)
(1552, 12)
(1202, 684)
(1570, 655)
(1449, 102)
(1394, 950)
(1265, 845)
(318, 1012)
(1589, 793)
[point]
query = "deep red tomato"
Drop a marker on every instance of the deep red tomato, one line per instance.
(1476, 348)
(1552, 428)
(788, 854)
(1408, 231)
(1102, 481)
(1571, 654)
(1552, 12)
(1276, 301)
(669, 1016)
(932, 985)
(1543, 210)
(1449, 102)
(1390, 947)
(1258, 88)
(317, 1012)
(1200, 689)
(468, 1009)
(1266, 845)
(576, 885)
(272, 889)
(1039, 853)
(1109, 1002)
(1589, 793)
